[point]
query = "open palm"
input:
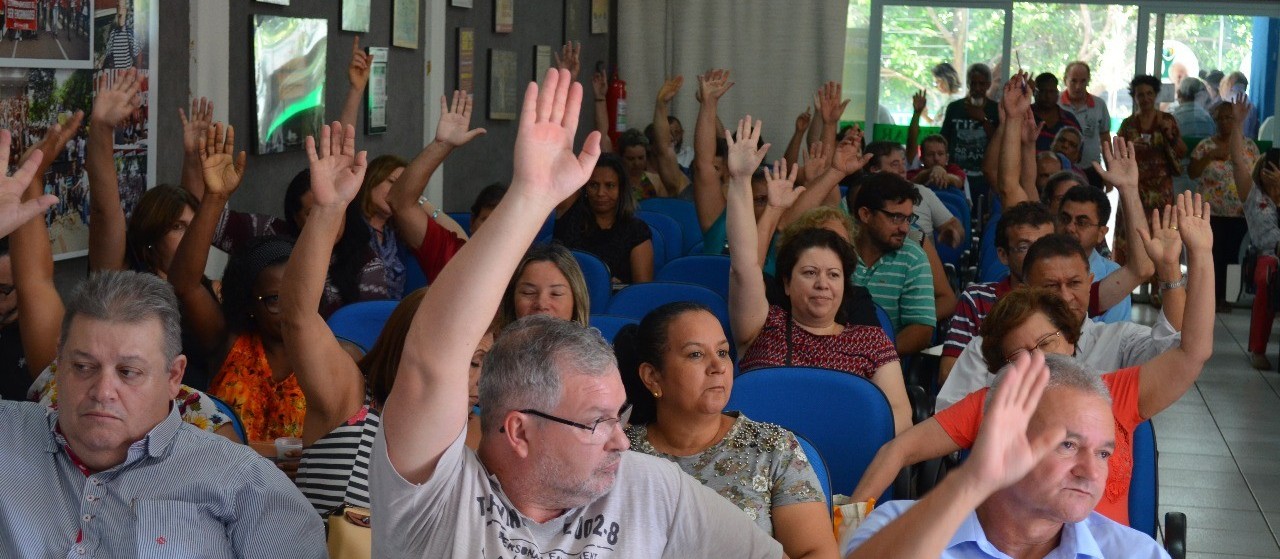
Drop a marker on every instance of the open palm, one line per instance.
(1122, 164)
(1003, 453)
(1193, 222)
(222, 171)
(1163, 244)
(848, 158)
(544, 160)
(336, 169)
(744, 155)
(195, 124)
(782, 189)
(115, 102)
(454, 127)
(13, 211)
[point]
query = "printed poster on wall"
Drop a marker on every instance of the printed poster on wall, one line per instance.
(50, 73)
(502, 84)
(404, 24)
(375, 121)
(541, 61)
(355, 15)
(466, 58)
(599, 17)
(504, 16)
(289, 59)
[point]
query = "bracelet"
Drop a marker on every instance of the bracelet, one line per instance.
(1167, 285)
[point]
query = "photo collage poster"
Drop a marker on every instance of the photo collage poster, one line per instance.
(52, 52)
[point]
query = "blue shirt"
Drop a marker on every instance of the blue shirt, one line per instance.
(1096, 537)
(181, 492)
(1102, 267)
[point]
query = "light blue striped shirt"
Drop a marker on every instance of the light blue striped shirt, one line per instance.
(181, 492)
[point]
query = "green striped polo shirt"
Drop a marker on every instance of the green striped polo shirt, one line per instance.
(902, 283)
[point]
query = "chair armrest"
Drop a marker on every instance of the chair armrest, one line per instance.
(1175, 534)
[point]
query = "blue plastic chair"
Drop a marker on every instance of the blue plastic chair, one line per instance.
(599, 279)
(885, 324)
(361, 323)
(684, 213)
(955, 202)
(635, 301)
(819, 467)
(236, 422)
(846, 417)
(989, 266)
(463, 219)
(547, 231)
(414, 277)
(1144, 494)
(672, 243)
(708, 270)
(609, 325)
(658, 240)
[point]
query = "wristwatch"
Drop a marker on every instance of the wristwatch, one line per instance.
(1167, 285)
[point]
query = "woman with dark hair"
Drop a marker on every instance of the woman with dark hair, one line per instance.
(547, 281)
(814, 267)
(1158, 143)
(156, 227)
(946, 81)
(678, 375)
(602, 221)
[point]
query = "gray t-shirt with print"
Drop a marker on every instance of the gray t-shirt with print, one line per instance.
(653, 510)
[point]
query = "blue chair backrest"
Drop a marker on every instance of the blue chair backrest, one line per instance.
(846, 417)
(1144, 498)
(599, 279)
(548, 229)
(955, 202)
(236, 423)
(609, 324)
(989, 266)
(696, 249)
(414, 277)
(672, 235)
(463, 219)
(637, 300)
(819, 466)
(360, 323)
(659, 246)
(885, 324)
(684, 213)
(708, 270)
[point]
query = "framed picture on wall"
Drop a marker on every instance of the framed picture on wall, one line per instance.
(404, 24)
(289, 60)
(375, 116)
(461, 3)
(502, 84)
(355, 15)
(599, 17)
(466, 58)
(541, 61)
(504, 16)
(573, 18)
(30, 43)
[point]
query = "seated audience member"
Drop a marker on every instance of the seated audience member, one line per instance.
(633, 148)
(1264, 231)
(1221, 165)
(930, 212)
(1049, 164)
(857, 304)
(1056, 186)
(1192, 119)
(1028, 319)
(1019, 227)
(547, 281)
(894, 271)
(1068, 143)
(1048, 112)
(935, 171)
(552, 454)
(678, 374)
(1083, 213)
(1028, 489)
(117, 438)
(602, 221)
(486, 201)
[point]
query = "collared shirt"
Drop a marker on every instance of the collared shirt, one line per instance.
(1096, 537)
(1094, 120)
(975, 304)
(901, 282)
(1066, 119)
(1102, 267)
(1102, 347)
(1194, 121)
(181, 492)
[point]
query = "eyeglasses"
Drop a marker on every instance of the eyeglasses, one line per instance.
(596, 434)
(271, 302)
(899, 219)
(1081, 222)
(1041, 344)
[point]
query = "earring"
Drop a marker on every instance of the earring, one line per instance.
(657, 394)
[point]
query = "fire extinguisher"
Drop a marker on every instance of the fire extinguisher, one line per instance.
(616, 101)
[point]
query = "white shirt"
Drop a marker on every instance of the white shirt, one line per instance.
(1103, 347)
(931, 210)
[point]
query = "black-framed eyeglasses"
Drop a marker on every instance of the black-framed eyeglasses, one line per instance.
(271, 302)
(596, 434)
(1041, 344)
(899, 219)
(7, 288)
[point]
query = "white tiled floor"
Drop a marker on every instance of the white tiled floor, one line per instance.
(1220, 450)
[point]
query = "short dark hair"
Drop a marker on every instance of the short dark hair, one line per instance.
(1046, 78)
(1034, 214)
(298, 187)
(1144, 79)
(1213, 78)
(935, 138)
(1084, 193)
(789, 255)
(883, 187)
(1238, 78)
(1055, 245)
(488, 198)
(632, 138)
(1051, 183)
(647, 343)
(880, 150)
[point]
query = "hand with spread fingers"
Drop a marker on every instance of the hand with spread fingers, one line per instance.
(13, 211)
(745, 153)
(1004, 452)
(849, 158)
(569, 58)
(454, 128)
(1163, 244)
(116, 100)
(195, 124)
(919, 102)
(544, 160)
(222, 169)
(1193, 223)
(336, 169)
(1122, 164)
(818, 160)
(713, 84)
(783, 191)
(829, 103)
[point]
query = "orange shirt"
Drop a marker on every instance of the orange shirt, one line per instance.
(268, 409)
(961, 422)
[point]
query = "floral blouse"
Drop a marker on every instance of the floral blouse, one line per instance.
(195, 407)
(268, 409)
(1218, 183)
(757, 466)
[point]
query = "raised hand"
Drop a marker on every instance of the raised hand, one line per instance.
(1122, 164)
(1163, 244)
(196, 124)
(783, 191)
(13, 211)
(744, 157)
(1193, 223)
(1017, 96)
(669, 89)
(829, 103)
(222, 172)
(455, 120)
(337, 169)
(818, 160)
(713, 84)
(569, 59)
(1004, 453)
(1240, 110)
(114, 103)
(919, 102)
(361, 62)
(803, 120)
(849, 158)
(545, 164)
(1030, 128)
(599, 85)
(56, 138)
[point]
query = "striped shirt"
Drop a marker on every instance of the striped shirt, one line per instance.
(181, 492)
(975, 304)
(901, 282)
(335, 469)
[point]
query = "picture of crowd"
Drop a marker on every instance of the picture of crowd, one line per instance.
(45, 30)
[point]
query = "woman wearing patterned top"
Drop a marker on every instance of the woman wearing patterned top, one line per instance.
(678, 375)
(814, 268)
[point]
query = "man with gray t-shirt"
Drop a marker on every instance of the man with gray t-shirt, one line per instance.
(552, 476)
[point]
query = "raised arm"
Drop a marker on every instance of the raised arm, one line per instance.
(40, 307)
(708, 198)
(201, 313)
(1122, 173)
(453, 130)
(1016, 105)
(831, 104)
(792, 155)
(846, 159)
(600, 86)
(668, 168)
(1164, 247)
(427, 408)
(330, 380)
(1241, 167)
(358, 76)
(194, 127)
(111, 104)
(1166, 378)
(918, 104)
(782, 193)
(747, 303)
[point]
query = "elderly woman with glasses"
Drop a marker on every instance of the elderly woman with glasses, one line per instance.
(1034, 318)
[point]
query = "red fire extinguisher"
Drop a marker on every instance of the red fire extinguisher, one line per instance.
(616, 101)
